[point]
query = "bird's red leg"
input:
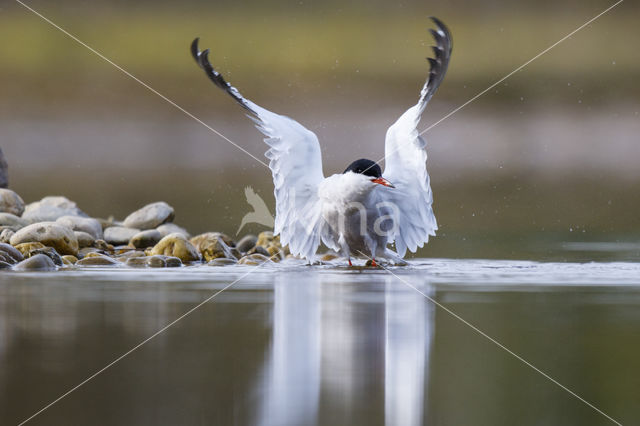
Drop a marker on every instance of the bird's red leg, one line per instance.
(350, 264)
(373, 263)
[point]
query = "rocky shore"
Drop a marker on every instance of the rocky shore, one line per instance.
(54, 233)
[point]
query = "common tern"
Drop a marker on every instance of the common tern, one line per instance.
(361, 211)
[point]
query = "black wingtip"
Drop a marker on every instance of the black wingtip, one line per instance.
(194, 50)
(442, 53)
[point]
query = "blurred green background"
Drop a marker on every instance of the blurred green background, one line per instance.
(545, 159)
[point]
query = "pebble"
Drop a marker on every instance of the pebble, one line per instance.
(254, 259)
(130, 254)
(84, 252)
(328, 257)
(119, 235)
(259, 250)
(172, 228)
(246, 243)
(9, 219)
(39, 262)
(212, 246)
(69, 260)
(5, 235)
(266, 238)
(49, 252)
(97, 259)
(50, 234)
(84, 239)
(178, 246)
(150, 216)
(156, 261)
(50, 209)
(222, 261)
(10, 202)
(10, 254)
(84, 224)
(144, 239)
(103, 245)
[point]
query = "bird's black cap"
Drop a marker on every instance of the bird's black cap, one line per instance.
(365, 167)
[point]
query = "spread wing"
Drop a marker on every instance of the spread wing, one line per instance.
(405, 157)
(295, 163)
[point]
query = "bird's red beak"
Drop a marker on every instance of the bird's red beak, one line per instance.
(382, 181)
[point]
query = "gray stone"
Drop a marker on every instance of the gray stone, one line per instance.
(69, 260)
(150, 216)
(10, 254)
(172, 228)
(84, 239)
(50, 234)
(119, 235)
(50, 253)
(97, 260)
(129, 255)
(84, 252)
(144, 239)
(50, 209)
(10, 202)
(259, 250)
(156, 261)
(222, 261)
(246, 243)
(8, 219)
(6, 234)
(84, 224)
(254, 259)
(39, 262)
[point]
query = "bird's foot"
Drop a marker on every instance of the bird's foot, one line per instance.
(371, 263)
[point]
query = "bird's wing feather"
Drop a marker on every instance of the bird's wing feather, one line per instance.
(295, 163)
(405, 158)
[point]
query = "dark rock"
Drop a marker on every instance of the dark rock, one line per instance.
(246, 243)
(222, 261)
(49, 252)
(39, 262)
(144, 239)
(4, 171)
(96, 259)
(9, 254)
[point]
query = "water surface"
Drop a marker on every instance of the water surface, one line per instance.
(299, 345)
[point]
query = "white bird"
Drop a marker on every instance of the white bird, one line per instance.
(362, 210)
